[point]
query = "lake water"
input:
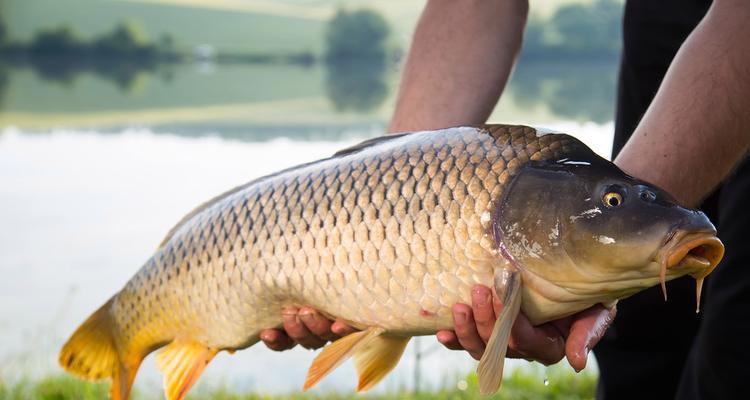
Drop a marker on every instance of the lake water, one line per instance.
(95, 170)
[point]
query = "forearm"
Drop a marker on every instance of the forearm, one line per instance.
(698, 125)
(460, 58)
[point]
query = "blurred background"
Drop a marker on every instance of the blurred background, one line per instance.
(119, 116)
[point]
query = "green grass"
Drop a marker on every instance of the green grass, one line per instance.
(521, 384)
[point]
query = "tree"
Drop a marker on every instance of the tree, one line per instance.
(61, 40)
(127, 38)
(360, 34)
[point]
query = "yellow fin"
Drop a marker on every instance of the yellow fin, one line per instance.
(490, 369)
(91, 353)
(337, 352)
(375, 360)
(182, 363)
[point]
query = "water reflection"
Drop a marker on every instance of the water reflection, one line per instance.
(3, 84)
(576, 91)
(123, 74)
(243, 101)
(356, 85)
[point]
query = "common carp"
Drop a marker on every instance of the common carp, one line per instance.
(388, 235)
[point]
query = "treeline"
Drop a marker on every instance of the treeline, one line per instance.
(126, 40)
(574, 31)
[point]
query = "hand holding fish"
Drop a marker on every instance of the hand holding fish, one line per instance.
(572, 337)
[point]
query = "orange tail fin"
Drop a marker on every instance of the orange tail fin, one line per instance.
(91, 353)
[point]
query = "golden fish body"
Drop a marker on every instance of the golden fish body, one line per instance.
(387, 235)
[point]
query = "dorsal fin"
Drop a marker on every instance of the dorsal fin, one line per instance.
(368, 143)
(211, 202)
(199, 209)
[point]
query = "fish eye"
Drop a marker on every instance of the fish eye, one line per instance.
(612, 199)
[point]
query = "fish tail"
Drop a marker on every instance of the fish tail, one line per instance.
(92, 354)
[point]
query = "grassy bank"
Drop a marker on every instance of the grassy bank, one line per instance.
(523, 383)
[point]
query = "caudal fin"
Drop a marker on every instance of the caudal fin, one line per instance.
(91, 353)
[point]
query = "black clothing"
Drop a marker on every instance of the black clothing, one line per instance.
(664, 350)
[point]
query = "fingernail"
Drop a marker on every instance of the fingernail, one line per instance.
(266, 337)
(291, 318)
(482, 301)
(586, 351)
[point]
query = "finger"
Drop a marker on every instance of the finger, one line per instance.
(542, 343)
(449, 340)
(587, 329)
(276, 340)
(341, 328)
(484, 314)
(466, 330)
(316, 323)
(298, 331)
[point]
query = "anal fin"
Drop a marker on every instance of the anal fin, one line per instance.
(375, 360)
(182, 363)
(337, 352)
(490, 369)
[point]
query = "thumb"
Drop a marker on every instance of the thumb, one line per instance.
(586, 330)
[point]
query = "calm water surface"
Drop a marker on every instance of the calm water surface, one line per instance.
(92, 175)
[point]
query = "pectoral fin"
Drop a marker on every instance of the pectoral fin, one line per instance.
(490, 369)
(375, 360)
(182, 363)
(337, 352)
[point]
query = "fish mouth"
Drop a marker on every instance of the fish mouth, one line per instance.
(693, 253)
(699, 251)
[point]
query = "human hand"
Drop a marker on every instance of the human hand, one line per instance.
(305, 326)
(571, 337)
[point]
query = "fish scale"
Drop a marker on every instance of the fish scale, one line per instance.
(386, 235)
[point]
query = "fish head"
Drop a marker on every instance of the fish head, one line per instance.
(584, 232)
